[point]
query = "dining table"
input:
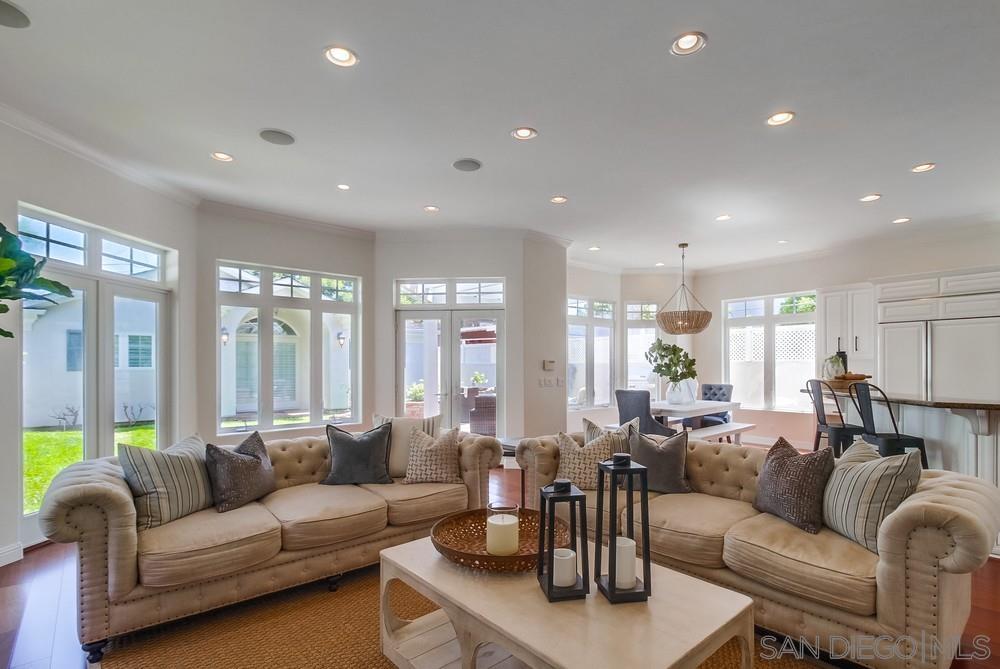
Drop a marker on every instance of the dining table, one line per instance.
(675, 413)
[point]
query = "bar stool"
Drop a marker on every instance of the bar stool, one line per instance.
(892, 443)
(838, 436)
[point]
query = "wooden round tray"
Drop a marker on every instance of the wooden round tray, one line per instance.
(461, 537)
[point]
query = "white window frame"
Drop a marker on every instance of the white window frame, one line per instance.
(644, 324)
(265, 303)
(590, 321)
(769, 321)
(450, 301)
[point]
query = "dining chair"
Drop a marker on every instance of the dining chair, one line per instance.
(716, 392)
(839, 436)
(888, 443)
(635, 404)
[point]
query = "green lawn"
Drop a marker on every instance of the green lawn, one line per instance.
(47, 451)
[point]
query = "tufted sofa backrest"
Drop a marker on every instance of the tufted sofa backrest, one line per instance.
(300, 460)
(724, 470)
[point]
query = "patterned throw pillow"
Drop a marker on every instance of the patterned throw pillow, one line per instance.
(579, 463)
(619, 436)
(433, 460)
(241, 475)
(865, 488)
(791, 485)
(167, 484)
(358, 458)
(399, 439)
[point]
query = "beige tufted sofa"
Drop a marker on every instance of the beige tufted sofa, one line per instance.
(882, 610)
(301, 532)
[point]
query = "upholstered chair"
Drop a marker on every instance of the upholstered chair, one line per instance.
(635, 404)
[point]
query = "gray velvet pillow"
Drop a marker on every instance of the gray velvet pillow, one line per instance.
(791, 485)
(359, 458)
(239, 476)
(664, 460)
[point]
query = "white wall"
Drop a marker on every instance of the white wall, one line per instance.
(37, 172)
(227, 232)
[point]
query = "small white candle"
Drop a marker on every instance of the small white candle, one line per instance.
(564, 567)
(502, 534)
(624, 563)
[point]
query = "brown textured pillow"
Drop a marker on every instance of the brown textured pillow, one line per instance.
(239, 476)
(433, 460)
(791, 485)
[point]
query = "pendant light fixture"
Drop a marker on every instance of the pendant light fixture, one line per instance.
(683, 313)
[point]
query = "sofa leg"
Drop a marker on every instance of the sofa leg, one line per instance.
(94, 650)
(333, 582)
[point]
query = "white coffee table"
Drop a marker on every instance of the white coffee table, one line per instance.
(506, 618)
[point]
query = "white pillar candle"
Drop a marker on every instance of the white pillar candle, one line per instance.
(564, 567)
(624, 563)
(502, 534)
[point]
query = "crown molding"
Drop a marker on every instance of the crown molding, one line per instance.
(43, 132)
(225, 209)
(593, 267)
(536, 236)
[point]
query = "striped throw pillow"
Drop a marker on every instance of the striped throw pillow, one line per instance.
(618, 437)
(864, 488)
(167, 484)
(399, 438)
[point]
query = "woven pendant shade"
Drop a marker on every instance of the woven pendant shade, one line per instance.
(683, 313)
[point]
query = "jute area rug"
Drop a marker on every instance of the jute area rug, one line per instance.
(307, 627)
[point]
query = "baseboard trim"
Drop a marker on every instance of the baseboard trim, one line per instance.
(11, 553)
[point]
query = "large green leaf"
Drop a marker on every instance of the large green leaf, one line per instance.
(20, 271)
(6, 265)
(41, 283)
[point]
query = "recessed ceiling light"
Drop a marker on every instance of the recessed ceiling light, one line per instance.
(901, 220)
(12, 16)
(275, 136)
(923, 167)
(723, 217)
(431, 209)
(782, 241)
(660, 264)
(871, 197)
(594, 248)
(780, 118)
(689, 43)
(559, 199)
(340, 55)
(221, 157)
(524, 133)
(467, 165)
(343, 187)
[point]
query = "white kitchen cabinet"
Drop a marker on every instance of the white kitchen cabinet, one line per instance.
(902, 360)
(905, 290)
(981, 282)
(847, 323)
(965, 360)
(908, 310)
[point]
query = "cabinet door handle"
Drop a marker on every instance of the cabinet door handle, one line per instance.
(855, 343)
(838, 343)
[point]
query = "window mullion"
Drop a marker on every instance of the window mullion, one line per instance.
(265, 390)
(590, 365)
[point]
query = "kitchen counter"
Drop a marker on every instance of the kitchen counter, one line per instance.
(982, 406)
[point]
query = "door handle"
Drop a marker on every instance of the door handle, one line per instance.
(838, 343)
(855, 343)
(441, 394)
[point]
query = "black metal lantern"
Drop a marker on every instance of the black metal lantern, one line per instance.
(557, 567)
(620, 583)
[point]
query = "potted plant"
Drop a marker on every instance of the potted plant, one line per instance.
(20, 276)
(414, 405)
(672, 363)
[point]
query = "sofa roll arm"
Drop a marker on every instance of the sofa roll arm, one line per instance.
(539, 458)
(963, 512)
(90, 503)
(477, 455)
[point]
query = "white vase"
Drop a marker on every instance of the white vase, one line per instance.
(679, 393)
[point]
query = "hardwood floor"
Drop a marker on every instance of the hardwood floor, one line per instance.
(38, 602)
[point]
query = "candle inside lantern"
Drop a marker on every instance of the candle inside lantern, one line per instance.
(502, 532)
(624, 563)
(564, 567)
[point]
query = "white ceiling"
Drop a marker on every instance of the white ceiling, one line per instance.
(649, 147)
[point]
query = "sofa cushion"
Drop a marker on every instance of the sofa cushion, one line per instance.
(823, 567)
(399, 438)
(318, 515)
(419, 502)
(692, 527)
(562, 510)
(207, 544)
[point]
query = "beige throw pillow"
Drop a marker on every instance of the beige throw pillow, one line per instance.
(433, 460)
(579, 463)
(619, 436)
(399, 438)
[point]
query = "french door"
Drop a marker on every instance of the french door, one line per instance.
(451, 363)
(94, 375)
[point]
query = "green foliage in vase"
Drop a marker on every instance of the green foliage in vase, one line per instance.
(671, 362)
(20, 276)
